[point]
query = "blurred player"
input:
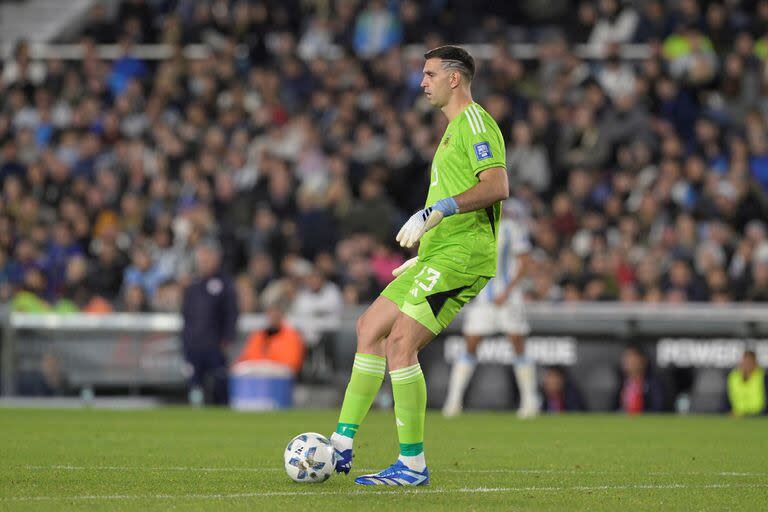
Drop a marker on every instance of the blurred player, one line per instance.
(500, 308)
(457, 257)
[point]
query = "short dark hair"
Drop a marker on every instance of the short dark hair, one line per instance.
(454, 57)
(751, 354)
(637, 349)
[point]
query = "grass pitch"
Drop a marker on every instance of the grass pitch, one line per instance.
(182, 459)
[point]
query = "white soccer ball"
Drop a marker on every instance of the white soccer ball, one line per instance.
(309, 458)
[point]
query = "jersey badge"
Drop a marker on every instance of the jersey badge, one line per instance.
(483, 151)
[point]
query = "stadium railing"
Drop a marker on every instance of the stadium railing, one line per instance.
(143, 349)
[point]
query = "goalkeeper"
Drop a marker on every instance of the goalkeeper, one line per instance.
(457, 256)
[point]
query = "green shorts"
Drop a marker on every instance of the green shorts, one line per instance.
(433, 294)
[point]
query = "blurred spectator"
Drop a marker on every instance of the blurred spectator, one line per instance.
(317, 307)
(209, 312)
(319, 304)
(105, 276)
(133, 300)
(653, 24)
(682, 280)
(690, 55)
(29, 298)
(584, 144)
(278, 342)
(139, 17)
(59, 251)
(747, 387)
(376, 30)
(20, 70)
(75, 287)
(46, 380)
(167, 298)
(98, 26)
(383, 261)
(316, 226)
(125, 69)
(373, 213)
(143, 271)
(559, 392)
(527, 162)
(614, 24)
(360, 286)
(641, 390)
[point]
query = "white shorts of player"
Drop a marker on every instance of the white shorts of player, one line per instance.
(483, 318)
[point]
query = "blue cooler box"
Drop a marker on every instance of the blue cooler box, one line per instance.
(260, 386)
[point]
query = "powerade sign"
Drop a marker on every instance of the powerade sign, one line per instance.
(546, 350)
(708, 352)
(723, 353)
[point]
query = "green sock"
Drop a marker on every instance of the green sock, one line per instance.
(410, 393)
(364, 384)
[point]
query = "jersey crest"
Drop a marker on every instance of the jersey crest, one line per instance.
(483, 150)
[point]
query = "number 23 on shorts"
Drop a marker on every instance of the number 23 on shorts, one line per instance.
(426, 279)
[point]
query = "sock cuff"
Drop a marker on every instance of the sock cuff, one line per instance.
(370, 364)
(406, 374)
(347, 429)
(466, 357)
(411, 449)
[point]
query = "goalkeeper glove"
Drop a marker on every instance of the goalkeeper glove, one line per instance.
(405, 266)
(424, 220)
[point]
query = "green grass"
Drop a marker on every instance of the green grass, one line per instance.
(220, 460)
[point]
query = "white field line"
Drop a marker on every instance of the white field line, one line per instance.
(392, 491)
(150, 468)
(369, 470)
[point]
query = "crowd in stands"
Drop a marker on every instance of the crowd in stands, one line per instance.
(303, 141)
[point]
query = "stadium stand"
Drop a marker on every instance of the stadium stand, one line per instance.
(301, 142)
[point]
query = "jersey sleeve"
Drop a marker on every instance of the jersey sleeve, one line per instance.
(483, 141)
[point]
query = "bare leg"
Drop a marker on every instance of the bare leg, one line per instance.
(374, 325)
(405, 340)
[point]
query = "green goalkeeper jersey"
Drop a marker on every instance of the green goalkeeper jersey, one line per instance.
(465, 242)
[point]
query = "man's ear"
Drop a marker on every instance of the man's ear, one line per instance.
(455, 79)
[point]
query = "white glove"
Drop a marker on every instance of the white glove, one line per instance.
(419, 223)
(405, 266)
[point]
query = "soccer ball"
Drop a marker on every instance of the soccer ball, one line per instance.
(309, 458)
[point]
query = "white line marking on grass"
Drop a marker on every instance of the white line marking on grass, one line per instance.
(150, 468)
(393, 491)
(734, 473)
(532, 471)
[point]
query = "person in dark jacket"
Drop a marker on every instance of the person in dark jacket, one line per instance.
(559, 392)
(641, 390)
(209, 312)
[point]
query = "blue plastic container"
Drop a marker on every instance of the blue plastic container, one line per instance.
(261, 388)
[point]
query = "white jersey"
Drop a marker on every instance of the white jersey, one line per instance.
(513, 242)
